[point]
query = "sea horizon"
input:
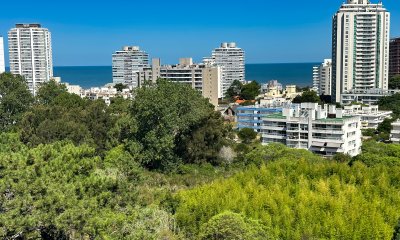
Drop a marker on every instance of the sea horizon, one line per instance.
(299, 74)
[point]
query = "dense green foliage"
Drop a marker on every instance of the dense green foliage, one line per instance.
(391, 103)
(15, 99)
(60, 191)
(163, 166)
(394, 82)
(174, 125)
(307, 96)
(247, 91)
(247, 135)
(296, 195)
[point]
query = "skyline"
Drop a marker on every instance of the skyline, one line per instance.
(299, 33)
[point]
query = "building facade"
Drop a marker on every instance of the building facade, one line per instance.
(205, 78)
(232, 61)
(395, 133)
(251, 116)
(31, 54)
(322, 78)
(2, 61)
(321, 129)
(394, 54)
(370, 116)
(360, 47)
(126, 64)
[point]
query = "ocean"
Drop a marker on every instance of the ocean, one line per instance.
(286, 73)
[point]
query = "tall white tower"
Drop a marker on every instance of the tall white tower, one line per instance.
(31, 54)
(360, 47)
(232, 61)
(2, 62)
(322, 77)
(127, 63)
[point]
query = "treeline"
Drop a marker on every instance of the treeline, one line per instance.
(164, 166)
(292, 194)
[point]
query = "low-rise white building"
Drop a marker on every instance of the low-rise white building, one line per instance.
(323, 130)
(395, 133)
(371, 117)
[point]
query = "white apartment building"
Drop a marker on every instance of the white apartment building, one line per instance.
(232, 61)
(126, 64)
(360, 47)
(370, 116)
(322, 78)
(2, 62)
(31, 54)
(321, 129)
(395, 133)
(205, 78)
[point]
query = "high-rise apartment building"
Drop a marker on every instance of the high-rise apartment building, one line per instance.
(2, 62)
(232, 61)
(31, 54)
(126, 64)
(394, 54)
(206, 78)
(322, 77)
(360, 48)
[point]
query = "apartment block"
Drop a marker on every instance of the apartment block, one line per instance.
(322, 78)
(231, 59)
(126, 64)
(321, 129)
(370, 116)
(205, 78)
(394, 54)
(360, 48)
(2, 62)
(31, 54)
(395, 133)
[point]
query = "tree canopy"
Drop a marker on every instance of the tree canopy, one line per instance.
(394, 82)
(15, 99)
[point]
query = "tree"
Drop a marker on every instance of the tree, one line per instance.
(247, 135)
(234, 90)
(250, 91)
(396, 234)
(391, 103)
(165, 112)
(49, 91)
(232, 226)
(120, 87)
(394, 82)
(307, 96)
(385, 126)
(15, 99)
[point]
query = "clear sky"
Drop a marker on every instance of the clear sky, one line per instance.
(85, 33)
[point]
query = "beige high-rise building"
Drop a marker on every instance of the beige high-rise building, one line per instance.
(31, 54)
(360, 48)
(205, 78)
(322, 77)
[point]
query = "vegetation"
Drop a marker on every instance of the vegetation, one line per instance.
(307, 96)
(394, 82)
(244, 91)
(164, 166)
(391, 103)
(295, 195)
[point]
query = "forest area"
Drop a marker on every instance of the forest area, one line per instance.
(166, 166)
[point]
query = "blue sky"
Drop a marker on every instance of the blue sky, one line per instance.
(85, 33)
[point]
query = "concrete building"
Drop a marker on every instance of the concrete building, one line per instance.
(368, 97)
(31, 54)
(232, 61)
(2, 62)
(370, 116)
(251, 116)
(360, 47)
(321, 129)
(205, 78)
(394, 55)
(322, 78)
(126, 64)
(395, 133)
